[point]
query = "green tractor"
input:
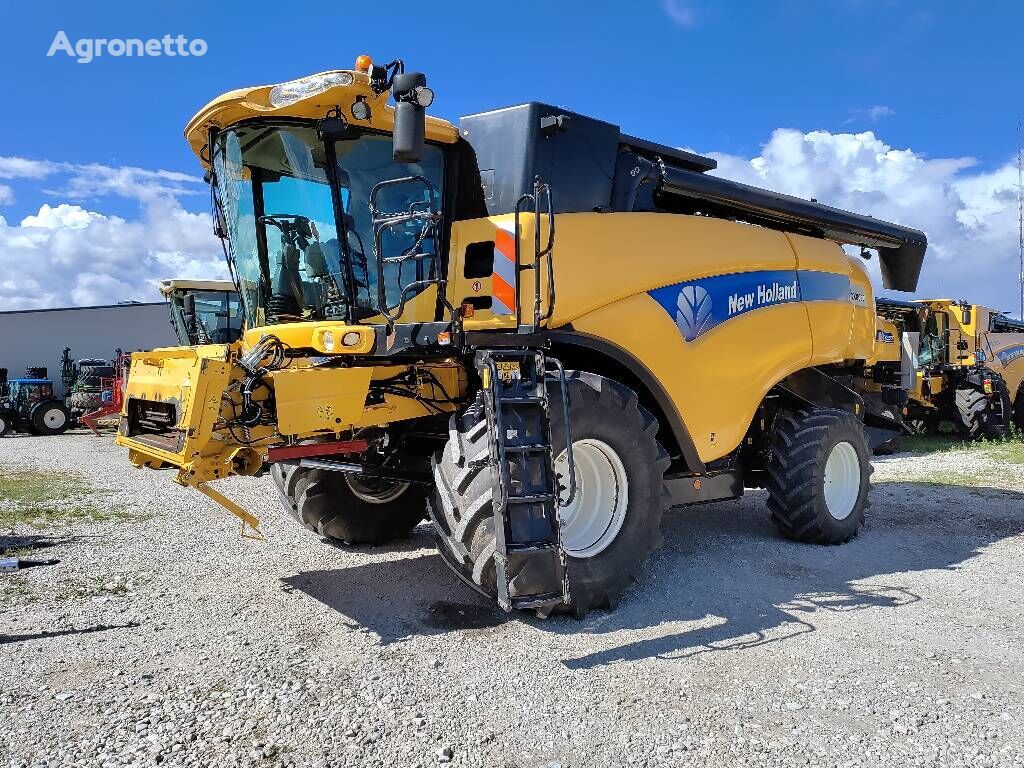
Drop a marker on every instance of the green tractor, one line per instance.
(28, 405)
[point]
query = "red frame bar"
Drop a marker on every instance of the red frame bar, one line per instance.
(283, 452)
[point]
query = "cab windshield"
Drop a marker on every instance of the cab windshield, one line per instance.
(210, 317)
(302, 250)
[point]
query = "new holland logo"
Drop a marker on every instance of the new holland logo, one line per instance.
(694, 313)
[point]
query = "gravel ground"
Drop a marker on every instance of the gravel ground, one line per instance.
(171, 640)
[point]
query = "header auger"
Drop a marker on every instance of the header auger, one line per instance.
(545, 329)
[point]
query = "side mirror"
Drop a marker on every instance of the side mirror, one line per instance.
(412, 97)
(965, 315)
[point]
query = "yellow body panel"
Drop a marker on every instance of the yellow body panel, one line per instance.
(602, 258)
(311, 335)
(1004, 353)
(193, 381)
(888, 346)
(319, 399)
(718, 380)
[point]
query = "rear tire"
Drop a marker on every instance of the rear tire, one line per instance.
(5, 424)
(50, 418)
(606, 417)
(975, 420)
(349, 508)
(90, 373)
(818, 476)
(1018, 408)
(84, 402)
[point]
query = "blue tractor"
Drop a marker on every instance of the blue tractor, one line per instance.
(29, 405)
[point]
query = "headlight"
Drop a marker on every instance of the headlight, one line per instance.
(295, 90)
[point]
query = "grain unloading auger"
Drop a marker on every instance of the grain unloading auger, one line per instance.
(415, 331)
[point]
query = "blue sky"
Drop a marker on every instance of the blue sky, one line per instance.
(939, 80)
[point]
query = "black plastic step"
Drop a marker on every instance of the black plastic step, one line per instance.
(527, 448)
(541, 498)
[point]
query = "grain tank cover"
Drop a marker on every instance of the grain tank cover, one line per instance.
(573, 153)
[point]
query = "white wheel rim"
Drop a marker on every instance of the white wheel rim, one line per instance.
(842, 480)
(3, 425)
(54, 418)
(364, 490)
(594, 518)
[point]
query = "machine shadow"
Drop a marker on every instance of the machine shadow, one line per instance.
(723, 568)
(48, 634)
(410, 593)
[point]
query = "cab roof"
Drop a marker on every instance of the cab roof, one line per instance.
(258, 102)
(167, 287)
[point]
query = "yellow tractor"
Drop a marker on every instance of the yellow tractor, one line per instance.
(535, 328)
(968, 363)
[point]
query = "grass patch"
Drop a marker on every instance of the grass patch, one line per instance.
(47, 499)
(985, 463)
(1010, 450)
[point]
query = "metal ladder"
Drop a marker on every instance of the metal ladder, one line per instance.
(530, 562)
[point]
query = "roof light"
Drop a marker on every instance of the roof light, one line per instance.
(363, 63)
(296, 90)
(423, 96)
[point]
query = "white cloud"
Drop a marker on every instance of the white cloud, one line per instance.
(6, 195)
(23, 168)
(68, 255)
(680, 12)
(64, 216)
(871, 114)
(970, 216)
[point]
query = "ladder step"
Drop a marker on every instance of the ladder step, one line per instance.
(540, 498)
(536, 447)
(537, 601)
(525, 549)
(521, 400)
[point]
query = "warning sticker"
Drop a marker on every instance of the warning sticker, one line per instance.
(508, 371)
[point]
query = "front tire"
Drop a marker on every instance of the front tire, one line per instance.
(818, 476)
(348, 508)
(613, 524)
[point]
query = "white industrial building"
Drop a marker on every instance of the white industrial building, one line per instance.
(37, 337)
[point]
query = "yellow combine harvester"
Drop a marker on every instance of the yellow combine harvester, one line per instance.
(968, 363)
(417, 337)
(203, 311)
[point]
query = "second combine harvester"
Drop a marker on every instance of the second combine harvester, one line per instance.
(541, 330)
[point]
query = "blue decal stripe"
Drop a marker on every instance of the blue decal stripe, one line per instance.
(823, 286)
(1008, 355)
(697, 306)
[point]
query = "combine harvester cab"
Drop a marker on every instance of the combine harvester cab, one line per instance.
(539, 329)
